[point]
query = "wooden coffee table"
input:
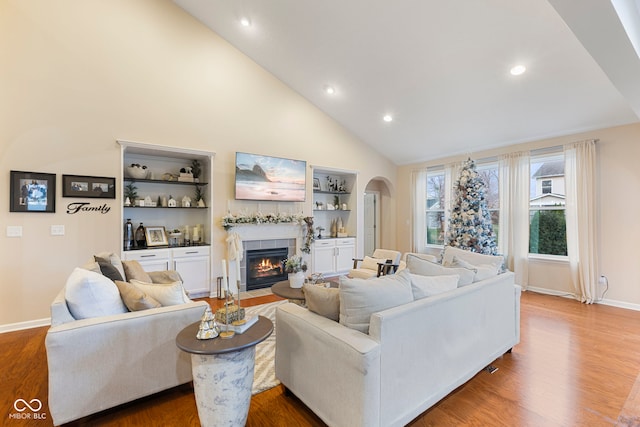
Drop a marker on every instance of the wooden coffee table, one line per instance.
(294, 295)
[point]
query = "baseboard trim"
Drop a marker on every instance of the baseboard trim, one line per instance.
(11, 327)
(609, 302)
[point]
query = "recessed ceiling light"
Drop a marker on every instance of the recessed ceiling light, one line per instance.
(517, 70)
(387, 118)
(245, 22)
(329, 90)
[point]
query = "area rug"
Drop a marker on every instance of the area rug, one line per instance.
(264, 376)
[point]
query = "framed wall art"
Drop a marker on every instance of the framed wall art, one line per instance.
(156, 236)
(88, 186)
(32, 192)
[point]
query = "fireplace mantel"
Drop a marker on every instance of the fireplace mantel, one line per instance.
(268, 231)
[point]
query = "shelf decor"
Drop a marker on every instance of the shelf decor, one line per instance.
(231, 220)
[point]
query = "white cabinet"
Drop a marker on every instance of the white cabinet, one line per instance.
(151, 260)
(193, 264)
(333, 256)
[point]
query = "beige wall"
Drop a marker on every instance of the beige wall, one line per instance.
(77, 75)
(618, 225)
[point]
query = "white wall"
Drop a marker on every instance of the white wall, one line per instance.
(77, 75)
(618, 226)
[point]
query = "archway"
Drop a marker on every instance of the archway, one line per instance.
(377, 215)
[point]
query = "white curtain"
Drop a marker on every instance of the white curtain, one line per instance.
(418, 209)
(514, 214)
(451, 176)
(580, 182)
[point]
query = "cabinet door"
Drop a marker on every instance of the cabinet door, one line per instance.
(324, 257)
(150, 260)
(195, 275)
(345, 252)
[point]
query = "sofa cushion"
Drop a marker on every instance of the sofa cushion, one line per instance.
(473, 258)
(134, 298)
(90, 294)
(427, 268)
(323, 301)
(483, 271)
(360, 298)
(133, 270)
(165, 294)
(108, 270)
(426, 286)
(114, 259)
(371, 263)
(92, 266)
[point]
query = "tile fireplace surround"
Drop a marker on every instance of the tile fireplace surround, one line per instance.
(267, 236)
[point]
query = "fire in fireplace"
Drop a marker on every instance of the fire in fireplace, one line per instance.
(264, 267)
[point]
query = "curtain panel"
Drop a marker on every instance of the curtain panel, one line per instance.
(513, 236)
(580, 181)
(418, 210)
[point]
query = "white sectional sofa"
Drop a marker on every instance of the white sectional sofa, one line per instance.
(413, 355)
(100, 362)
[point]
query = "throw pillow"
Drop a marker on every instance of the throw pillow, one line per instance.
(371, 263)
(426, 268)
(472, 257)
(323, 301)
(92, 266)
(114, 260)
(134, 298)
(483, 272)
(90, 294)
(427, 286)
(108, 270)
(165, 294)
(360, 298)
(133, 270)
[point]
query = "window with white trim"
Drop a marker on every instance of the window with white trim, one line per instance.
(547, 223)
(435, 207)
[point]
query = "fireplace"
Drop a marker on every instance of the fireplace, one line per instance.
(264, 267)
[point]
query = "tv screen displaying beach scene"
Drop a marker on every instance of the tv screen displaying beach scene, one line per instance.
(263, 178)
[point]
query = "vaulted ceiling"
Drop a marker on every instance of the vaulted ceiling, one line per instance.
(441, 69)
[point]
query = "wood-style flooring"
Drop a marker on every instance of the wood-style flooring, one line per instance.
(576, 365)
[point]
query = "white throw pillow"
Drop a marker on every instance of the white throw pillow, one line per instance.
(427, 286)
(371, 263)
(425, 268)
(483, 271)
(472, 258)
(360, 298)
(165, 294)
(89, 294)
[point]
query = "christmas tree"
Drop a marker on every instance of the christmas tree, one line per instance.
(470, 221)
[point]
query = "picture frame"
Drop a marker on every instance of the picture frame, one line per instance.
(94, 187)
(156, 236)
(32, 192)
(316, 184)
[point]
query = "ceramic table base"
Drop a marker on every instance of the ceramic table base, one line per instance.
(222, 385)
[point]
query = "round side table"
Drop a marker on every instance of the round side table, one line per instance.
(223, 372)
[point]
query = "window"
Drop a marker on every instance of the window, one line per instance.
(547, 223)
(435, 207)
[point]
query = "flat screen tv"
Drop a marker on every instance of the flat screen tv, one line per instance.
(270, 178)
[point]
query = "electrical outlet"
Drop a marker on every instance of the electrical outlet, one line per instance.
(57, 230)
(14, 231)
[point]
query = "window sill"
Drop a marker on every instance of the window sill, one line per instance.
(561, 259)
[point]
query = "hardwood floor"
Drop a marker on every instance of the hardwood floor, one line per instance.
(576, 365)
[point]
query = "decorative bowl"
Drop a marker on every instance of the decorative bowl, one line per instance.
(137, 172)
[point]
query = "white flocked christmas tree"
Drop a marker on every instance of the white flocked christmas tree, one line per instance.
(470, 220)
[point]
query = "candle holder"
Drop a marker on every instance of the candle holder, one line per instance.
(240, 320)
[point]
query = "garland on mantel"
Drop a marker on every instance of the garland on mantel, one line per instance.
(230, 220)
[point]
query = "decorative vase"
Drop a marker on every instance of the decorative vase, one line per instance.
(296, 279)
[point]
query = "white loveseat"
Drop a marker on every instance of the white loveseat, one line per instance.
(413, 355)
(101, 362)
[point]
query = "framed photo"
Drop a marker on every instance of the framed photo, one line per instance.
(32, 192)
(156, 236)
(88, 186)
(316, 184)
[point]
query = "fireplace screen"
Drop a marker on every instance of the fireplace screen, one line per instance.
(264, 267)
